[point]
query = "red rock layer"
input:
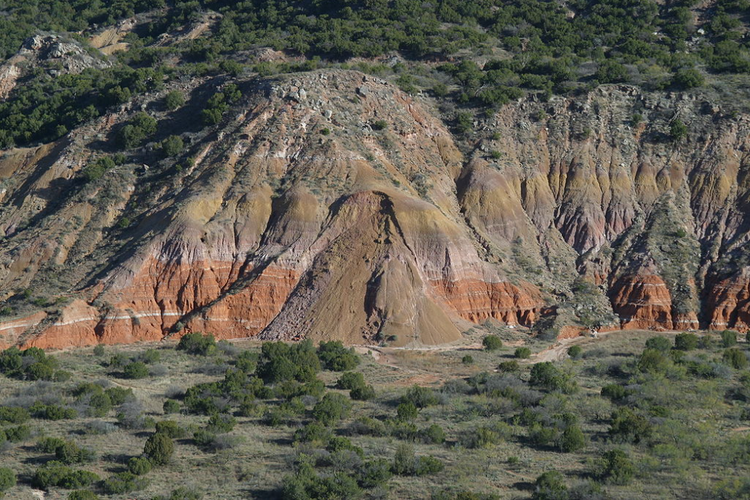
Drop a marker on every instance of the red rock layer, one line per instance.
(728, 303)
(477, 301)
(644, 302)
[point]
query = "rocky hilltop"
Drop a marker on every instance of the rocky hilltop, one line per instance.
(330, 204)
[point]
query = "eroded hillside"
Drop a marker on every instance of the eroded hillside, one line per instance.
(330, 204)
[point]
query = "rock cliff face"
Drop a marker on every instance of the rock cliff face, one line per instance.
(331, 205)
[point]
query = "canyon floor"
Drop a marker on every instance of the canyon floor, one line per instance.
(490, 410)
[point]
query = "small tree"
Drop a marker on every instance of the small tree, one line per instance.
(159, 449)
(492, 343)
(572, 439)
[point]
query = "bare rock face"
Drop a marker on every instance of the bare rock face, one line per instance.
(304, 217)
(55, 53)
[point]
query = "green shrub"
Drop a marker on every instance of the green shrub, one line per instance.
(508, 366)
(7, 480)
(362, 393)
(659, 343)
(49, 444)
(611, 72)
(629, 427)
(149, 356)
(615, 392)
(56, 474)
(118, 395)
(373, 473)
(139, 466)
(379, 125)
(653, 361)
(550, 486)
(170, 428)
(404, 461)
(99, 404)
(350, 380)
(483, 437)
(83, 495)
(433, 434)
(685, 341)
(572, 439)
(171, 406)
(467, 360)
(688, 78)
(313, 432)
(728, 338)
(53, 412)
(306, 485)
(123, 482)
(159, 449)
(421, 397)
(98, 351)
(678, 131)
(705, 342)
(195, 343)
(139, 128)
(575, 352)
(172, 146)
(221, 423)
(428, 465)
(135, 370)
(13, 415)
(40, 371)
(331, 408)
(174, 99)
(69, 453)
(548, 376)
(492, 343)
(523, 353)
(735, 358)
(18, 433)
(336, 357)
(616, 467)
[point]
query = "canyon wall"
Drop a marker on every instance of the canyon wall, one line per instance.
(331, 205)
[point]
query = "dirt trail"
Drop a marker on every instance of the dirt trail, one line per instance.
(559, 350)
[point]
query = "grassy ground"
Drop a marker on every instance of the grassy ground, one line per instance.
(255, 467)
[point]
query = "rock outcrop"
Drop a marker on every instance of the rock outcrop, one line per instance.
(332, 205)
